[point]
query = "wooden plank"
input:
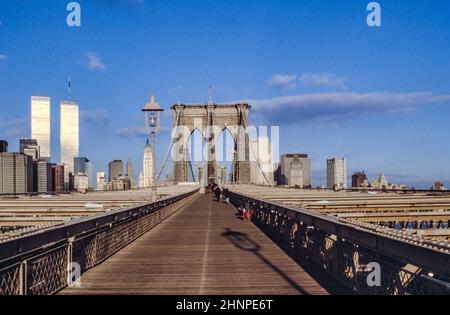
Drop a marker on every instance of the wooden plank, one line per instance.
(203, 249)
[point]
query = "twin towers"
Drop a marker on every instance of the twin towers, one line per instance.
(69, 129)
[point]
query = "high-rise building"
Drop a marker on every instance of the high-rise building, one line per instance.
(147, 166)
(69, 133)
(58, 178)
(81, 182)
(261, 162)
(295, 170)
(42, 175)
(90, 174)
(130, 174)
(30, 147)
(337, 173)
(40, 124)
(66, 177)
(115, 169)
(79, 165)
(141, 180)
(83, 166)
(3, 146)
(71, 182)
(358, 179)
(16, 173)
(101, 181)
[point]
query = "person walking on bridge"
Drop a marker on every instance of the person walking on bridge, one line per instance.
(217, 191)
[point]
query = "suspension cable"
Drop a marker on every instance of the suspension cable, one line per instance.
(256, 158)
(170, 148)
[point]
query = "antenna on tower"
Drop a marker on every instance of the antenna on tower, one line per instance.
(69, 88)
(210, 95)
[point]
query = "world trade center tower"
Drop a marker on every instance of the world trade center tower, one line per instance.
(69, 133)
(40, 124)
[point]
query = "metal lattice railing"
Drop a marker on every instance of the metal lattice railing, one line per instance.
(44, 267)
(323, 242)
(10, 280)
(47, 273)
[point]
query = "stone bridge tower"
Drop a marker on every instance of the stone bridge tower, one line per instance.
(211, 120)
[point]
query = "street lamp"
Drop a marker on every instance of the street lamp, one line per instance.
(152, 124)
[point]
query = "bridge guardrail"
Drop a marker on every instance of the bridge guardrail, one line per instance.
(345, 249)
(49, 260)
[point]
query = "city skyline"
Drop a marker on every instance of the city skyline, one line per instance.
(224, 154)
(374, 98)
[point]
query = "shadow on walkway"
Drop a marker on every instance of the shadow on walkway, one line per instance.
(246, 243)
(322, 278)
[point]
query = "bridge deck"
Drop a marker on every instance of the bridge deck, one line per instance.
(202, 249)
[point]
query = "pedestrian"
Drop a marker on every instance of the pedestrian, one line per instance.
(217, 192)
(226, 197)
(212, 187)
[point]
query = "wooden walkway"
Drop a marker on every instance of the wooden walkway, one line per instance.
(202, 249)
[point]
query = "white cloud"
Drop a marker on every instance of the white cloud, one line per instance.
(137, 132)
(94, 62)
(3, 59)
(132, 132)
(289, 81)
(283, 80)
(323, 80)
(332, 108)
(96, 116)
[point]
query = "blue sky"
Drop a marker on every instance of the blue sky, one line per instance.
(336, 87)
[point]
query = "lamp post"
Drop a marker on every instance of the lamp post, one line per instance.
(152, 124)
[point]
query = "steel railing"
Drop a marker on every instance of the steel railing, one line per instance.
(49, 260)
(350, 251)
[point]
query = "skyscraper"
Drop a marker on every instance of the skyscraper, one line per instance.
(79, 165)
(337, 173)
(3, 146)
(40, 124)
(295, 170)
(58, 178)
(101, 181)
(81, 182)
(83, 166)
(69, 133)
(90, 174)
(115, 169)
(16, 173)
(30, 147)
(66, 177)
(129, 173)
(147, 166)
(42, 175)
(358, 179)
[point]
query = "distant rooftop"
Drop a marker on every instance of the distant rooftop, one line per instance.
(212, 104)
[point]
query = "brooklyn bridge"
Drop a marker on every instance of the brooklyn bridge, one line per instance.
(256, 239)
